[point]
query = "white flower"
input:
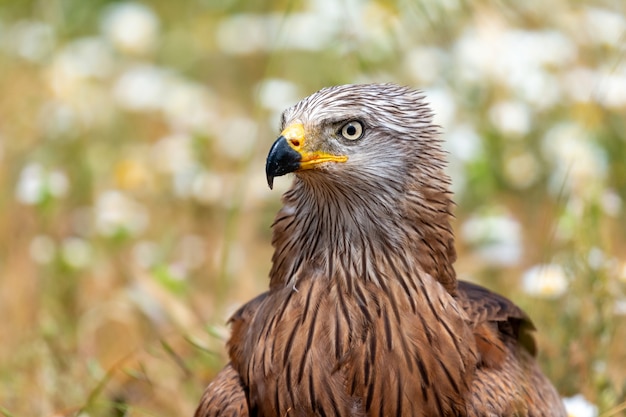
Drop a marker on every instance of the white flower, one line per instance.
(31, 185)
(237, 137)
(35, 184)
(142, 88)
(545, 281)
(604, 26)
(185, 104)
(619, 308)
(32, 40)
(580, 83)
(117, 213)
(511, 117)
(424, 64)
(79, 98)
(131, 27)
(173, 154)
(496, 236)
(189, 105)
(464, 146)
(184, 182)
(606, 86)
(441, 101)
(521, 170)
(611, 202)
(611, 85)
(463, 143)
(83, 58)
(248, 33)
(578, 406)
(57, 119)
(277, 94)
(596, 258)
(516, 58)
(76, 252)
(243, 34)
(578, 163)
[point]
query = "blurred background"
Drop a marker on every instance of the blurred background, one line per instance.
(135, 216)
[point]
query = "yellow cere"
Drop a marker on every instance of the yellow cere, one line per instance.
(294, 133)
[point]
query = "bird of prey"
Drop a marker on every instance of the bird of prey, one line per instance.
(364, 315)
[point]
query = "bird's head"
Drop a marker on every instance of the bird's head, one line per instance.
(376, 134)
(370, 177)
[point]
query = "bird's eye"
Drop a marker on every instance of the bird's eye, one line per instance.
(352, 130)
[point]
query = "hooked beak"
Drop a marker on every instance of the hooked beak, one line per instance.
(288, 154)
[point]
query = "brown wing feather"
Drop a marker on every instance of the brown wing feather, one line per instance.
(496, 320)
(240, 321)
(508, 381)
(226, 394)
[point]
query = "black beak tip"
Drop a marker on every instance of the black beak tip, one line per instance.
(282, 159)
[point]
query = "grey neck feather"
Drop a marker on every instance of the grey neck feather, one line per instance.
(327, 226)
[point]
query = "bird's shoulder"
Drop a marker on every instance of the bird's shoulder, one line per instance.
(497, 322)
(244, 314)
(240, 323)
(225, 396)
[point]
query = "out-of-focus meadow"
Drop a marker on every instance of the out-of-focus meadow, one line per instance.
(134, 214)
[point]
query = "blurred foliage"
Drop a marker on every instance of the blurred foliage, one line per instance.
(135, 215)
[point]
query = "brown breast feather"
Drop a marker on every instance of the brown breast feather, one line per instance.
(499, 327)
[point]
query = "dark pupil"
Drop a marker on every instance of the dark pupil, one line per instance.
(351, 130)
